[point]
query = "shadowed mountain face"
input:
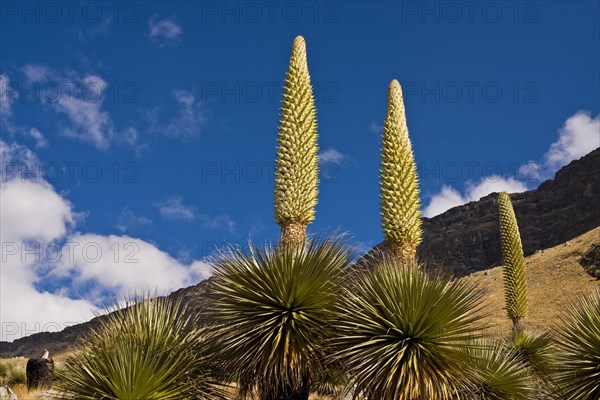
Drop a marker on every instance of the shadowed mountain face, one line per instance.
(463, 239)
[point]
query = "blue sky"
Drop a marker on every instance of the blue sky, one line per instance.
(148, 129)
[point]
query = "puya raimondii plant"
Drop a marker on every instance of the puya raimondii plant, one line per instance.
(399, 185)
(579, 350)
(515, 286)
(149, 350)
(297, 163)
(274, 309)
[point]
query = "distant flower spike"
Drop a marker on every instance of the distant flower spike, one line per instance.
(297, 164)
(399, 184)
(515, 286)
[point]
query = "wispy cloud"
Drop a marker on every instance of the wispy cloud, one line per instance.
(189, 119)
(166, 31)
(7, 99)
(128, 220)
(375, 127)
(99, 28)
(38, 137)
(81, 103)
(36, 72)
(174, 209)
(222, 221)
(331, 155)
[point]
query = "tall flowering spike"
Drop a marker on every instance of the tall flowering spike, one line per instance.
(297, 164)
(515, 286)
(399, 184)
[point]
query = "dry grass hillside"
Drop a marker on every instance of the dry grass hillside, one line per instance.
(554, 279)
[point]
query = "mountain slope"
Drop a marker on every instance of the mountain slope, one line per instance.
(555, 278)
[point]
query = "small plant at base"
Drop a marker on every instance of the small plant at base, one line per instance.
(578, 342)
(16, 376)
(150, 350)
(515, 286)
(3, 370)
(501, 373)
(399, 185)
(297, 163)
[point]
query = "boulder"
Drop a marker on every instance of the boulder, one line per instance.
(40, 373)
(7, 394)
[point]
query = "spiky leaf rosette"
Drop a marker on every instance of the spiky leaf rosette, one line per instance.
(402, 334)
(274, 308)
(515, 286)
(579, 345)
(297, 164)
(502, 374)
(399, 185)
(151, 350)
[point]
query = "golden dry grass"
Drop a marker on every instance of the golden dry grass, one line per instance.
(554, 279)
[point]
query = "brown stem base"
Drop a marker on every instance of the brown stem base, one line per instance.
(292, 233)
(518, 326)
(405, 254)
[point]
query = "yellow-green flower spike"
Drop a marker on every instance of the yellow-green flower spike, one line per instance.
(297, 164)
(399, 184)
(515, 285)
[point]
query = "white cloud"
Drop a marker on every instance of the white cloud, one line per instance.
(42, 292)
(578, 136)
(164, 31)
(17, 161)
(331, 156)
(174, 209)
(449, 197)
(123, 264)
(32, 210)
(491, 184)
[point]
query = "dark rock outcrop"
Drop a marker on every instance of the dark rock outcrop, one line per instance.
(591, 261)
(40, 373)
(464, 239)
